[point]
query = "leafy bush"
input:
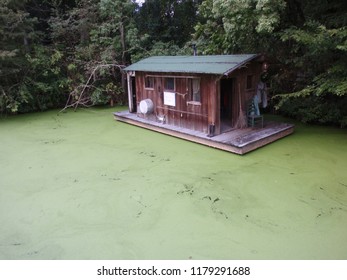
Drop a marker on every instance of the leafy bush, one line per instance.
(316, 109)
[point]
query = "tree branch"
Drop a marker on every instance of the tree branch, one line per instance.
(82, 99)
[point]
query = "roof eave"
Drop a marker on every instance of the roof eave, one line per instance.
(227, 73)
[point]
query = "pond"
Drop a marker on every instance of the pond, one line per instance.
(79, 185)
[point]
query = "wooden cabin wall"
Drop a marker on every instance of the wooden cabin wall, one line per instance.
(185, 114)
(198, 117)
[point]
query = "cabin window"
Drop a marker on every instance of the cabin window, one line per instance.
(249, 82)
(149, 82)
(169, 84)
(194, 89)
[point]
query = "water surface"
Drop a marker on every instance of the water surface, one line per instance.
(80, 185)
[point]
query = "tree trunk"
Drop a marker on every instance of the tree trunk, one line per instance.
(124, 62)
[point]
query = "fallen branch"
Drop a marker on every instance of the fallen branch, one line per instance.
(85, 100)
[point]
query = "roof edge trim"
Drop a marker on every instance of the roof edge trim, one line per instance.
(240, 65)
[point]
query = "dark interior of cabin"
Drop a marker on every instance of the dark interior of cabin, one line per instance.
(226, 94)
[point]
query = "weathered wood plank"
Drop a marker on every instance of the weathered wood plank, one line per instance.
(239, 141)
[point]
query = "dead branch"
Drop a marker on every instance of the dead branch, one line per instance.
(82, 99)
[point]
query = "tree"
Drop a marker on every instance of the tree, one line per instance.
(305, 40)
(318, 58)
(168, 21)
(51, 49)
(92, 36)
(234, 26)
(16, 33)
(117, 18)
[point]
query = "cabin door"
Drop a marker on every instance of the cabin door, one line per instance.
(226, 97)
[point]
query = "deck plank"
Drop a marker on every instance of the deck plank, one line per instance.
(239, 141)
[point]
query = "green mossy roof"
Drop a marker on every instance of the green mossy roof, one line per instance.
(209, 64)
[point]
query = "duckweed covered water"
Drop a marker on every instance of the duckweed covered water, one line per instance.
(83, 186)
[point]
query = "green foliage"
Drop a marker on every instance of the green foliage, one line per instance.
(106, 93)
(234, 26)
(168, 20)
(210, 35)
(98, 97)
(41, 85)
(315, 109)
(321, 55)
(305, 41)
(49, 49)
(16, 31)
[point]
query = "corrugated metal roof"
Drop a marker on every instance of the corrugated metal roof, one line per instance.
(207, 64)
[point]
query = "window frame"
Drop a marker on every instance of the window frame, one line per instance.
(165, 84)
(192, 97)
(151, 81)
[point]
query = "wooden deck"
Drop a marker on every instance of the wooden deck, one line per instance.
(239, 141)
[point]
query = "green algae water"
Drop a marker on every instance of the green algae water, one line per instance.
(80, 185)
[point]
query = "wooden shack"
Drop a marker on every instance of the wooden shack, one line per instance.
(204, 94)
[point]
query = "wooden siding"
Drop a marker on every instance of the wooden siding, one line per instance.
(194, 115)
(185, 114)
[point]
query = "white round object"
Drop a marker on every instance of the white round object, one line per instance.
(146, 106)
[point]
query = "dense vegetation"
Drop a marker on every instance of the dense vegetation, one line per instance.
(50, 49)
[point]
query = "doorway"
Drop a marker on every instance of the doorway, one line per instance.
(226, 97)
(132, 94)
(133, 86)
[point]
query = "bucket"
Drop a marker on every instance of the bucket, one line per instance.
(146, 106)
